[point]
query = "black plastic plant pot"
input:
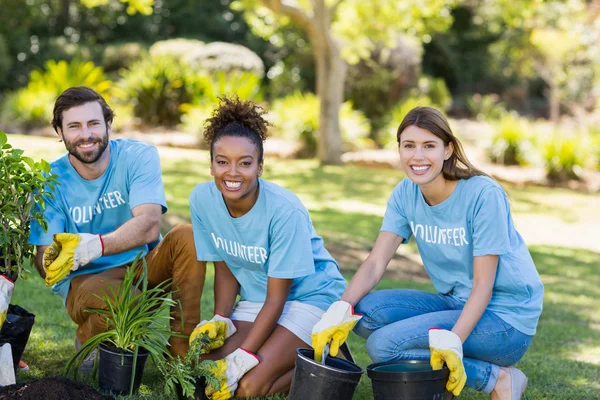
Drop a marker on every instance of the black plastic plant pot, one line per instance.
(407, 380)
(336, 380)
(16, 330)
(116, 367)
(198, 393)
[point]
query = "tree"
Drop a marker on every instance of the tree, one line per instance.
(342, 31)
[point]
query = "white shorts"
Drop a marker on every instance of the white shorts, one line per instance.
(299, 318)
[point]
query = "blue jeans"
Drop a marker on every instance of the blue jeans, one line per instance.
(396, 325)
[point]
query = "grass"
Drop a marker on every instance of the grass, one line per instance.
(346, 205)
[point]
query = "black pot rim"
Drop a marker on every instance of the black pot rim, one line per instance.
(357, 370)
(373, 374)
(109, 348)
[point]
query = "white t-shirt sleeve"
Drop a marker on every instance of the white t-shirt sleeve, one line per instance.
(146, 184)
(395, 220)
(205, 247)
(290, 247)
(490, 223)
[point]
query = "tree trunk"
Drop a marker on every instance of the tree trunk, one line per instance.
(554, 99)
(331, 75)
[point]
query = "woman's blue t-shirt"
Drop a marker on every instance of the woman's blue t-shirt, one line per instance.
(274, 239)
(474, 221)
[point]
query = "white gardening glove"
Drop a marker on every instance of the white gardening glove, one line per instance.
(446, 347)
(68, 252)
(219, 328)
(229, 371)
(6, 290)
(334, 327)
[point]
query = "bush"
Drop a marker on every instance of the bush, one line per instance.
(175, 48)
(227, 57)
(296, 118)
(193, 121)
(565, 157)
(486, 107)
(387, 136)
(160, 88)
(32, 106)
(5, 59)
(511, 143)
(117, 56)
(245, 85)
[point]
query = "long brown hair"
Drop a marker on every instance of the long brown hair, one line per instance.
(428, 118)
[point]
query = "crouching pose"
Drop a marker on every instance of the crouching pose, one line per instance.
(264, 248)
(489, 294)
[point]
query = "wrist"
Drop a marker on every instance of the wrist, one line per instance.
(101, 245)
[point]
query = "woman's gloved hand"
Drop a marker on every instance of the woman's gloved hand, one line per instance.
(334, 327)
(219, 328)
(229, 371)
(446, 347)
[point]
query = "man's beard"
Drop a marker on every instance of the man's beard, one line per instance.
(88, 157)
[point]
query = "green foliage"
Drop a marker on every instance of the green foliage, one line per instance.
(32, 106)
(5, 59)
(486, 107)
(565, 157)
(227, 57)
(23, 185)
(387, 137)
(137, 317)
(296, 118)
(185, 373)
(178, 48)
(158, 87)
(117, 56)
(133, 6)
(511, 143)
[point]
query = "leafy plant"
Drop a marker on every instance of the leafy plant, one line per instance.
(486, 107)
(511, 142)
(136, 317)
(565, 157)
(23, 185)
(387, 138)
(185, 373)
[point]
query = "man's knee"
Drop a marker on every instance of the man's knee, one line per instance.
(181, 233)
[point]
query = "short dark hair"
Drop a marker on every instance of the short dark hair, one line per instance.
(234, 117)
(77, 96)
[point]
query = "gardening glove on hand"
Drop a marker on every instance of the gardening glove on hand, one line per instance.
(334, 327)
(6, 291)
(446, 347)
(229, 371)
(219, 329)
(74, 250)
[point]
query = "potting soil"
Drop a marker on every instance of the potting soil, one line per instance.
(55, 388)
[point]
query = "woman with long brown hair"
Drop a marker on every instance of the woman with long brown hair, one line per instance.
(489, 294)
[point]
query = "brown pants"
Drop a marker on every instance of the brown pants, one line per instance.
(173, 258)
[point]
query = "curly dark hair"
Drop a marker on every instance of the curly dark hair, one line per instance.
(238, 118)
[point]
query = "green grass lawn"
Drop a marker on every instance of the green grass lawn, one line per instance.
(346, 205)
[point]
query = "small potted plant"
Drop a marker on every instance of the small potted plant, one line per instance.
(138, 325)
(23, 185)
(188, 378)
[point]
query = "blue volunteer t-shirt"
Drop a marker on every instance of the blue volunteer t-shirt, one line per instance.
(274, 239)
(100, 206)
(474, 221)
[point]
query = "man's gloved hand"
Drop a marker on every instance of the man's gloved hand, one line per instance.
(219, 329)
(334, 327)
(446, 347)
(74, 250)
(229, 371)
(6, 290)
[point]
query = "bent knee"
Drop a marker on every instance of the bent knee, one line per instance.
(253, 388)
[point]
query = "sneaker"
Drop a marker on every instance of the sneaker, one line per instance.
(22, 366)
(87, 365)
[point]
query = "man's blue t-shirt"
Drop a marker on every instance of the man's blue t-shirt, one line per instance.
(100, 206)
(274, 239)
(474, 221)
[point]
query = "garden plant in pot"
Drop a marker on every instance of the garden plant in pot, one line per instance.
(138, 325)
(23, 185)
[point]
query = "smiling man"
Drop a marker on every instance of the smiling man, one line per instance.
(105, 210)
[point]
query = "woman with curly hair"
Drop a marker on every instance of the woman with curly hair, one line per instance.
(264, 247)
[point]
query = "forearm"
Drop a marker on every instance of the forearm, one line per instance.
(365, 279)
(138, 231)
(39, 260)
(226, 289)
(472, 311)
(263, 326)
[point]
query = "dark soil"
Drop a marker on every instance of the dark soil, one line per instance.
(56, 388)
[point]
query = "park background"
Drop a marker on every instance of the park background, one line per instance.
(520, 81)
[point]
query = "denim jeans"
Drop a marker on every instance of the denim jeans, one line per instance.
(396, 325)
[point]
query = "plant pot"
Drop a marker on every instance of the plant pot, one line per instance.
(198, 393)
(115, 369)
(337, 379)
(407, 380)
(16, 330)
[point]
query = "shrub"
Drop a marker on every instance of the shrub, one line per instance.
(511, 143)
(486, 107)
(160, 88)
(175, 48)
(32, 105)
(245, 85)
(565, 157)
(387, 137)
(296, 117)
(227, 57)
(117, 56)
